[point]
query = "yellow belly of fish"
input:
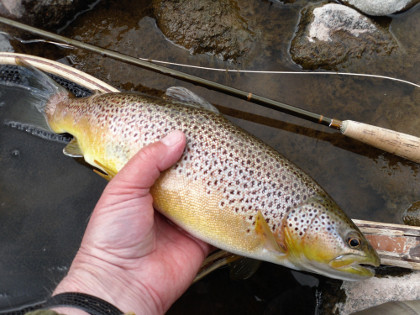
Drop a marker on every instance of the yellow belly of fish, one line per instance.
(189, 205)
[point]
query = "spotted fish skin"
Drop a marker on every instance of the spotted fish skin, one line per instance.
(228, 188)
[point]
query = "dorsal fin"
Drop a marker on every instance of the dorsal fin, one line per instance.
(72, 149)
(187, 97)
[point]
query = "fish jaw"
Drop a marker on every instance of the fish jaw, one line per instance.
(350, 268)
(354, 266)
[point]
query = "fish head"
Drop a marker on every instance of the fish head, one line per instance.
(321, 238)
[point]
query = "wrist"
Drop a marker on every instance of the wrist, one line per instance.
(108, 282)
(70, 302)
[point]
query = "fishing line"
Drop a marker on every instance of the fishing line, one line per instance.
(182, 65)
(377, 76)
(36, 40)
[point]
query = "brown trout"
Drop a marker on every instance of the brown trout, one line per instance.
(228, 189)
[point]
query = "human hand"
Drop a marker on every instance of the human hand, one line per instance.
(130, 255)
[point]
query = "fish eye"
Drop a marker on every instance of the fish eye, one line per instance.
(354, 242)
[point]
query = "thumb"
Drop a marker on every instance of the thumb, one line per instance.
(126, 200)
(143, 169)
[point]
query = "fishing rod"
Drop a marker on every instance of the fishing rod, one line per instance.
(401, 144)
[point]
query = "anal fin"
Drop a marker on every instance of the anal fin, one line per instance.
(110, 174)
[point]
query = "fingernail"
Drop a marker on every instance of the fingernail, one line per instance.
(172, 138)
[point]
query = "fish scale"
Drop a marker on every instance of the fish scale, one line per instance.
(228, 188)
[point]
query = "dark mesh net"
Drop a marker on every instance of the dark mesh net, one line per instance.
(12, 74)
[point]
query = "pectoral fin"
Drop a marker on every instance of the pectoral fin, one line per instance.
(243, 268)
(271, 242)
(72, 149)
(240, 267)
(214, 261)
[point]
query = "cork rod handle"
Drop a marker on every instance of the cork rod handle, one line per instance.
(398, 143)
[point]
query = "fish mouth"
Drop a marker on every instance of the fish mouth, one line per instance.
(355, 266)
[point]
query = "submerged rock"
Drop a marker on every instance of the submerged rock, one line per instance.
(411, 215)
(381, 7)
(5, 43)
(332, 34)
(43, 13)
(214, 27)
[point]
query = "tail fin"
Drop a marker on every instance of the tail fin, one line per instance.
(42, 87)
(35, 88)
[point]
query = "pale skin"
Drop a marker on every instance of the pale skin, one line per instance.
(130, 255)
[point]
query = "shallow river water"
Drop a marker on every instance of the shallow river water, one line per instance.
(46, 198)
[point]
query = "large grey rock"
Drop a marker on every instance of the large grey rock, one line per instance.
(42, 13)
(376, 291)
(381, 7)
(203, 26)
(332, 34)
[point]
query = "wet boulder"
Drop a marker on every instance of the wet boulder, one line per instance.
(332, 34)
(203, 26)
(380, 7)
(375, 291)
(42, 13)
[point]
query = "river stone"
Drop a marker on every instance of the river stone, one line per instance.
(42, 13)
(381, 7)
(376, 291)
(203, 26)
(5, 44)
(332, 34)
